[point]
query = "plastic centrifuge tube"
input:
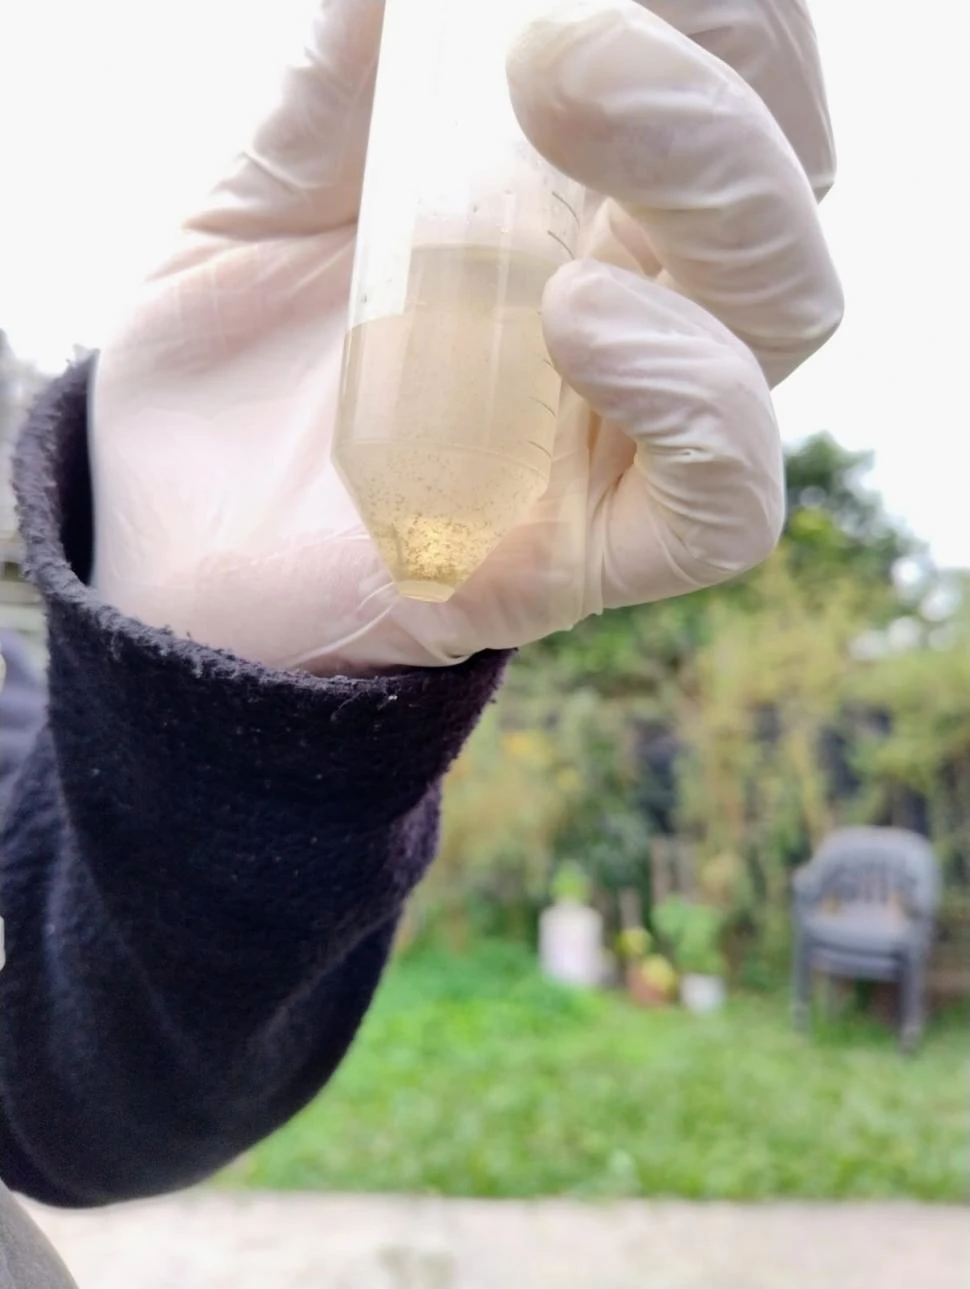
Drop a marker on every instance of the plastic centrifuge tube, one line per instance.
(448, 396)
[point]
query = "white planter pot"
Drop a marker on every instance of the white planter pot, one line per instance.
(702, 994)
(571, 945)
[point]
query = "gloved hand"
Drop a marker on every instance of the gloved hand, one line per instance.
(703, 281)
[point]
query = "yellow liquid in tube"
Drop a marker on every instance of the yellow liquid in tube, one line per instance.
(448, 414)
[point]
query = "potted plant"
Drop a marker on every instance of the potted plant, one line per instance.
(571, 931)
(693, 932)
(651, 980)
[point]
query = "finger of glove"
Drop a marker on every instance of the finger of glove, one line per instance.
(704, 497)
(302, 171)
(623, 102)
(773, 46)
(613, 236)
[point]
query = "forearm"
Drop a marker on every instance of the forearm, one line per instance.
(203, 862)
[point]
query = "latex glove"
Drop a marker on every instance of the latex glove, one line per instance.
(218, 513)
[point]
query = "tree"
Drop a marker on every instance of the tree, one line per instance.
(836, 528)
(20, 383)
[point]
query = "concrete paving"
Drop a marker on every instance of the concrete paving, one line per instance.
(211, 1240)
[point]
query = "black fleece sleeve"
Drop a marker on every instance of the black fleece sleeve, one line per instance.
(202, 863)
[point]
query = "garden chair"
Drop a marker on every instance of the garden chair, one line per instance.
(864, 909)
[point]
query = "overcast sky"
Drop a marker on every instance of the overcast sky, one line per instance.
(116, 114)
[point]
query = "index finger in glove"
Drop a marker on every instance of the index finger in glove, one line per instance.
(622, 101)
(303, 169)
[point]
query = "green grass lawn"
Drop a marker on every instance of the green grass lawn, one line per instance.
(474, 1077)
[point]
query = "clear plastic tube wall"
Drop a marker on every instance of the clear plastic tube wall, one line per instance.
(449, 398)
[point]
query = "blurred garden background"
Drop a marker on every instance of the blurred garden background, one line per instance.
(683, 756)
(701, 748)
